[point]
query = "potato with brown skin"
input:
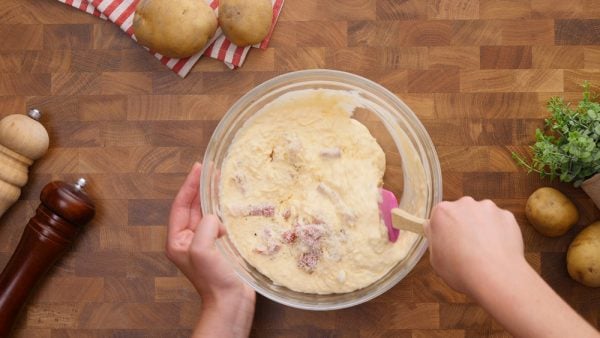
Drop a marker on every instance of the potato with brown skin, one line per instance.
(174, 28)
(583, 257)
(550, 212)
(245, 22)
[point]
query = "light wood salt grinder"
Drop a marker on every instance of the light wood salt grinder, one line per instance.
(23, 139)
(63, 211)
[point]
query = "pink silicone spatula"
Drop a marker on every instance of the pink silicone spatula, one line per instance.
(396, 219)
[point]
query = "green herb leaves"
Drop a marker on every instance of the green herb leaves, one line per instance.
(570, 147)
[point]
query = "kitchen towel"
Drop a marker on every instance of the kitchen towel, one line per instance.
(121, 13)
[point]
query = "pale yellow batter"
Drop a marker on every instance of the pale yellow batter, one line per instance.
(299, 195)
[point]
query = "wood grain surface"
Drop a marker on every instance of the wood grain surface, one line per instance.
(477, 73)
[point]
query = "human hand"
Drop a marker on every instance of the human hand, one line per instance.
(191, 246)
(477, 248)
(468, 239)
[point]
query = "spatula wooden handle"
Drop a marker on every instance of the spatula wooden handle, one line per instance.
(402, 220)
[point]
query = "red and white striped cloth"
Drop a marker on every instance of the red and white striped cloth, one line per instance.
(121, 13)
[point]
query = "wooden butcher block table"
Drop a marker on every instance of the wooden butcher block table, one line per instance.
(477, 73)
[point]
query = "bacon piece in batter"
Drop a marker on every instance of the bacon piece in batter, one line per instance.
(310, 238)
(289, 236)
(330, 152)
(269, 245)
(266, 211)
(308, 260)
(310, 234)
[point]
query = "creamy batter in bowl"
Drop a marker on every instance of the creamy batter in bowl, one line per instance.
(412, 172)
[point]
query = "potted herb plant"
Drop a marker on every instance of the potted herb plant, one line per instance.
(569, 146)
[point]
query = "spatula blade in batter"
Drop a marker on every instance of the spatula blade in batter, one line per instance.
(396, 219)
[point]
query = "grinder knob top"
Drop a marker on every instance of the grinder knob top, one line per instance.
(69, 201)
(24, 134)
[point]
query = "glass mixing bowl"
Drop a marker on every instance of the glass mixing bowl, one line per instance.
(412, 173)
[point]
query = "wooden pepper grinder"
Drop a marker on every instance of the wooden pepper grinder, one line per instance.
(23, 139)
(63, 211)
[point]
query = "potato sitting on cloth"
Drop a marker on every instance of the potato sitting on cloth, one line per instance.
(245, 22)
(174, 28)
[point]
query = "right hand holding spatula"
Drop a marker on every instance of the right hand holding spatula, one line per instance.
(477, 248)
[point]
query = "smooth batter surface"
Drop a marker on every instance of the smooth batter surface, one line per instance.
(300, 191)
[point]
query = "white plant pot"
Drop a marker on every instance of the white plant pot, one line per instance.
(591, 186)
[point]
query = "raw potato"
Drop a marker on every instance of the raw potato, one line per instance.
(245, 22)
(550, 212)
(174, 28)
(583, 257)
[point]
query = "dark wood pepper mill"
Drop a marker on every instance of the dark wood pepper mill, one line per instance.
(63, 211)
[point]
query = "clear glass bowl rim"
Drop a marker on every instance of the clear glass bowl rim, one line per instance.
(427, 150)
